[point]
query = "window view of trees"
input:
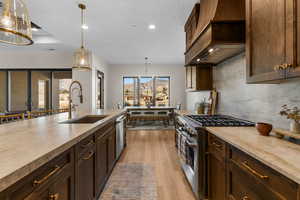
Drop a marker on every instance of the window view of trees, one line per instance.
(142, 91)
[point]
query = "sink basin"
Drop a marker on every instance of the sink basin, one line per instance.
(90, 119)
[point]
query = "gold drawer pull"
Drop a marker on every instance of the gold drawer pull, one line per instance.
(245, 198)
(38, 182)
(89, 156)
(246, 165)
(88, 144)
(219, 146)
(54, 196)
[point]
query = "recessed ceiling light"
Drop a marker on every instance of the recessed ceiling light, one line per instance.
(152, 27)
(84, 26)
(34, 29)
(198, 60)
(210, 50)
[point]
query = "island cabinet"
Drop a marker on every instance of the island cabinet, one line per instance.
(216, 168)
(272, 44)
(199, 78)
(79, 173)
(53, 181)
(85, 169)
(105, 156)
(248, 179)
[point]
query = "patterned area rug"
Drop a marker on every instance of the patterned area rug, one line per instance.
(131, 181)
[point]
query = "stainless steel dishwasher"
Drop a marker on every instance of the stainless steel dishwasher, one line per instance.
(120, 134)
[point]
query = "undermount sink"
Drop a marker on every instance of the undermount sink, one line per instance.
(90, 119)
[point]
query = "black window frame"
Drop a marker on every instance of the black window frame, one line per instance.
(29, 84)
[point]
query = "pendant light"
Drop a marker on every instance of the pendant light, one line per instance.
(82, 57)
(15, 24)
(146, 66)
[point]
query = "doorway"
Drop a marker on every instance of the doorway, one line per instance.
(100, 90)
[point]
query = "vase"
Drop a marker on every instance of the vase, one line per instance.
(295, 127)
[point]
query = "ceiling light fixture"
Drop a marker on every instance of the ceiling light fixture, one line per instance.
(34, 29)
(152, 27)
(15, 24)
(84, 26)
(82, 57)
(198, 60)
(210, 50)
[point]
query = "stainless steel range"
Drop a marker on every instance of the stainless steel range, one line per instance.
(191, 143)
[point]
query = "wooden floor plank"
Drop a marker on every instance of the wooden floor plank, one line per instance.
(157, 148)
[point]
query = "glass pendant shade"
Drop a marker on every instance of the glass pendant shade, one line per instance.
(82, 59)
(15, 24)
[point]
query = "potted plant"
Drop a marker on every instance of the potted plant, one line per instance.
(294, 115)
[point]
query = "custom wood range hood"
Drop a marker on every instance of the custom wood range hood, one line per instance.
(215, 31)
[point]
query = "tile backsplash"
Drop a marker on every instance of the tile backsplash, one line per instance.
(255, 102)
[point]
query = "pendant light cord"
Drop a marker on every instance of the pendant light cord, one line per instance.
(82, 36)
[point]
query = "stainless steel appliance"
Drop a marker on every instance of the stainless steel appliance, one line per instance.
(120, 135)
(191, 143)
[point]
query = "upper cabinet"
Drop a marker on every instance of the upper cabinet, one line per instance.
(215, 31)
(273, 40)
(199, 78)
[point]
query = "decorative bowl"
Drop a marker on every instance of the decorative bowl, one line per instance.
(264, 128)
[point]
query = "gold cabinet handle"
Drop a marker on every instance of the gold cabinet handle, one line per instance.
(54, 171)
(219, 146)
(245, 198)
(88, 156)
(253, 171)
(88, 144)
(54, 196)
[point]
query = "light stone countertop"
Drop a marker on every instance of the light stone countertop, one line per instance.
(27, 145)
(281, 155)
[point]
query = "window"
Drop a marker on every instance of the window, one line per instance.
(40, 90)
(139, 91)
(33, 89)
(130, 91)
(146, 91)
(64, 94)
(41, 94)
(162, 91)
(60, 89)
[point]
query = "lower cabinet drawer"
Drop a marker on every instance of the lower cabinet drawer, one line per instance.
(258, 178)
(242, 186)
(38, 184)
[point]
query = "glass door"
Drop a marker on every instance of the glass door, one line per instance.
(18, 91)
(40, 90)
(146, 91)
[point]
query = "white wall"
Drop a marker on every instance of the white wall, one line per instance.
(116, 73)
(256, 102)
(57, 60)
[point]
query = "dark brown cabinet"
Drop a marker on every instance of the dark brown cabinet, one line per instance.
(102, 162)
(80, 173)
(106, 155)
(216, 168)
(111, 149)
(85, 174)
(53, 181)
(199, 78)
(250, 179)
(272, 44)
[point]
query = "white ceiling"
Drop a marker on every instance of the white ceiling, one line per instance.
(118, 29)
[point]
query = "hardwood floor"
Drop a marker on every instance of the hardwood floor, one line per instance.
(157, 148)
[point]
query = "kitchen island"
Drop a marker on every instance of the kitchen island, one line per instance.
(28, 145)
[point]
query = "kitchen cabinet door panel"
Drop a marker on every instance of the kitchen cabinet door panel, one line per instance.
(85, 177)
(216, 175)
(271, 40)
(111, 149)
(102, 163)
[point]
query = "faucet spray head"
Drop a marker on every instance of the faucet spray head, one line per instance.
(81, 98)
